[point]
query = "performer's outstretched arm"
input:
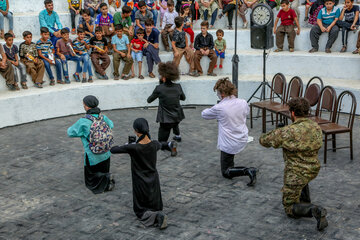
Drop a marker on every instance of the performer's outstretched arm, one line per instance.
(210, 113)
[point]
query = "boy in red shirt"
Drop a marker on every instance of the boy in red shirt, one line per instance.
(287, 16)
(137, 51)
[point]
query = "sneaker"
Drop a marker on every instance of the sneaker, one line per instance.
(52, 82)
(38, 85)
(11, 87)
(77, 78)
(220, 15)
(291, 49)
(193, 74)
(215, 66)
(327, 50)
(356, 51)
(24, 86)
(221, 66)
(67, 81)
(90, 80)
(151, 75)
(73, 31)
(98, 75)
(84, 80)
(161, 220)
(16, 87)
(141, 77)
(313, 50)
(105, 77)
(343, 49)
(278, 50)
(230, 28)
(212, 74)
(173, 146)
(116, 77)
(176, 138)
(245, 24)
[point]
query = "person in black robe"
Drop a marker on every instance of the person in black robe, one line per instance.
(170, 113)
(147, 201)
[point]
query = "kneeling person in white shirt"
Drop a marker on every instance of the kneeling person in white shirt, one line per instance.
(231, 114)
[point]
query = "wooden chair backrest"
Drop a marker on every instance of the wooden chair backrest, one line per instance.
(328, 102)
(278, 87)
(352, 111)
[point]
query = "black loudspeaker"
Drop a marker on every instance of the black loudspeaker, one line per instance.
(261, 37)
(261, 27)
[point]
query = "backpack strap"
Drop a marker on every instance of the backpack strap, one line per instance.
(92, 118)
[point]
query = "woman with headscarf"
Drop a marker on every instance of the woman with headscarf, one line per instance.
(98, 179)
(147, 201)
(170, 112)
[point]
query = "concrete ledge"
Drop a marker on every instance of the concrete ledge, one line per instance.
(64, 100)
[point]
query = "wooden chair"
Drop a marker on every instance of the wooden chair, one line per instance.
(278, 88)
(312, 94)
(334, 127)
(295, 89)
(326, 103)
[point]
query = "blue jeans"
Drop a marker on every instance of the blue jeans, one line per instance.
(92, 12)
(49, 71)
(155, 15)
(85, 59)
(213, 16)
(65, 64)
(54, 39)
(9, 16)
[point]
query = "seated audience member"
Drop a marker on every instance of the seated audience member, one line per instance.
(106, 22)
(186, 14)
(48, 18)
(46, 53)
(220, 46)
(99, 53)
(65, 52)
(348, 20)
(151, 47)
(163, 10)
(314, 11)
(168, 25)
(152, 6)
(93, 6)
(308, 4)
(326, 23)
(4, 13)
(137, 45)
(12, 51)
(122, 51)
(246, 5)
(194, 8)
(142, 15)
(209, 8)
(81, 47)
(204, 45)
(29, 57)
(75, 9)
(228, 7)
(125, 20)
(87, 23)
(287, 17)
(7, 71)
(181, 47)
(114, 6)
(271, 3)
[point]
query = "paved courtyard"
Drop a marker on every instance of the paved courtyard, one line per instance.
(43, 196)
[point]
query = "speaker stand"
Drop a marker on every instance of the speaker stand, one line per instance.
(263, 84)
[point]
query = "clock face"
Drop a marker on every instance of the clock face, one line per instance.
(261, 15)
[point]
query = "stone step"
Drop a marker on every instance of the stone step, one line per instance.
(38, 104)
(29, 20)
(303, 64)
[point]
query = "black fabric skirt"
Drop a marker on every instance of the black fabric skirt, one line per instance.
(97, 177)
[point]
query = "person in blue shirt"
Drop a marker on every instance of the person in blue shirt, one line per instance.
(98, 179)
(4, 13)
(122, 51)
(326, 22)
(48, 18)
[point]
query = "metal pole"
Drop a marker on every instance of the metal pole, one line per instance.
(235, 58)
(264, 75)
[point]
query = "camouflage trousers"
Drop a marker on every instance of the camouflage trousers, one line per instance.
(293, 185)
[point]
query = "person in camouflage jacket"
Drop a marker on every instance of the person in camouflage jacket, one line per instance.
(300, 142)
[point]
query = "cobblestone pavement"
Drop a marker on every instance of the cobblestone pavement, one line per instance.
(43, 196)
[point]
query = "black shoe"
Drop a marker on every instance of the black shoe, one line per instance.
(176, 138)
(251, 172)
(311, 210)
(173, 146)
(161, 219)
